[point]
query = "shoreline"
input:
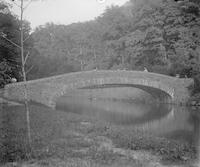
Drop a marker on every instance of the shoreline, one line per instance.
(69, 137)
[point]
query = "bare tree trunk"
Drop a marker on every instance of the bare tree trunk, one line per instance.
(24, 73)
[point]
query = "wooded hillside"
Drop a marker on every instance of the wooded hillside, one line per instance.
(161, 35)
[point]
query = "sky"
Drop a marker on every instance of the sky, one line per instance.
(40, 12)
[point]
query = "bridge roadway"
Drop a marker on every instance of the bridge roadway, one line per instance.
(46, 90)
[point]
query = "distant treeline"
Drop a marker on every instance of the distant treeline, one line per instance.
(161, 35)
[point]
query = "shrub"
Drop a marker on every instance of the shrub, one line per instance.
(196, 88)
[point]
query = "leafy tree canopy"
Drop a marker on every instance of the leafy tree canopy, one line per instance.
(162, 35)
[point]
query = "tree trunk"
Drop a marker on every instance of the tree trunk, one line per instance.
(24, 74)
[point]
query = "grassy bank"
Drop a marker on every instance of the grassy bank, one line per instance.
(67, 139)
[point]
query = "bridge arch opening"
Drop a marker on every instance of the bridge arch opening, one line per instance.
(122, 104)
(158, 94)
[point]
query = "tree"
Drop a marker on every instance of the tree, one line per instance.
(12, 33)
(23, 30)
(187, 46)
(9, 55)
(162, 35)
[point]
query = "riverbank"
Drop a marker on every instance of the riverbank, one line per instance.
(68, 139)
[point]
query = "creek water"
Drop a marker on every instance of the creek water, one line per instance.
(137, 110)
(125, 107)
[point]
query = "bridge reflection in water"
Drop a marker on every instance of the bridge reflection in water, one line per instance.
(170, 121)
(173, 122)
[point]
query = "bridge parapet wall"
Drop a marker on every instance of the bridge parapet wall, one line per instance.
(46, 90)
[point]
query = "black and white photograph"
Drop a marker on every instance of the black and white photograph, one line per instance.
(99, 83)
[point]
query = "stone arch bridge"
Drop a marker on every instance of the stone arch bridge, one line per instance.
(47, 90)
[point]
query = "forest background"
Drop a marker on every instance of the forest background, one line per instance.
(160, 35)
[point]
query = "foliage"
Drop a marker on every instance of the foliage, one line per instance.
(47, 66)
(9, 59)
(5, 70)
(196, 88)
(162, 35)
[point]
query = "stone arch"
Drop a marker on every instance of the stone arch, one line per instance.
(47, 90)
(159, 91)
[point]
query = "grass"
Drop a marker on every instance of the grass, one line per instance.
(71, 140)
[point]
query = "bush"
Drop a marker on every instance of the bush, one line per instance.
(160, 69)
(196, 88)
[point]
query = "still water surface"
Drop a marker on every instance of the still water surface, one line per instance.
(121, 106)
(173, 122)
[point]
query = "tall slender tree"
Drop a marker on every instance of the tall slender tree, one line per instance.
(20, 46)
